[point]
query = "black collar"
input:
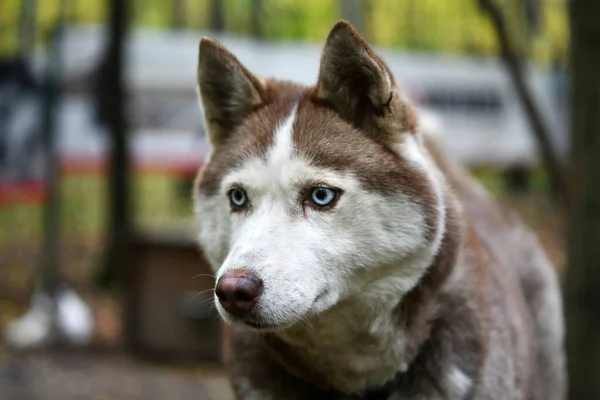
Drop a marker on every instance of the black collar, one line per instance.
(382, 392)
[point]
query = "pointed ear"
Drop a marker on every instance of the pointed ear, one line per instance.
(228, 91)
(360, 86)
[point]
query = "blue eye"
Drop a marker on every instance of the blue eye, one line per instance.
(322, 196)
(238, 198)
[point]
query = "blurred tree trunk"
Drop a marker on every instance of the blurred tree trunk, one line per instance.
(178, 14)
(113, 97)
(352, 12)
(583, 274)
(217, 16)
(410, 24)
(49, 272)
(518, 75)
(27, 25)
(256, 14)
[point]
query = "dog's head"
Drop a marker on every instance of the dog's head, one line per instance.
(312, 195)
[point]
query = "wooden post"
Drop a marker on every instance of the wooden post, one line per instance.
(114, 101)
(582, 286)
(49, 272)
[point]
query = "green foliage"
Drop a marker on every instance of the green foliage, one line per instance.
(449, 26)
(297, 19)
(9, 18)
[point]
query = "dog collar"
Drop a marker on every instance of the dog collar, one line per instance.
(383, 392)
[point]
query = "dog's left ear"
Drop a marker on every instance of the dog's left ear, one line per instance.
(360, 86)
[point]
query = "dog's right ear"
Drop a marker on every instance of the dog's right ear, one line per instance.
(228, 91)
(358, 84)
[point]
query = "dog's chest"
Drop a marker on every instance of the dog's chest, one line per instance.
(351, 351)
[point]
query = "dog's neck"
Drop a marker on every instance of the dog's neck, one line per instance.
(365, 341)
(358, 344)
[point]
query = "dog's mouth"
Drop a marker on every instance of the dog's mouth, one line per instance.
(255, 321)
(262, 326)
(320, 295)
(261, 319)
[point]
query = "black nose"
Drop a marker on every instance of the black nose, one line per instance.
(238, 291)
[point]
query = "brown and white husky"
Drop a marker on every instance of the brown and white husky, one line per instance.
(353, 260)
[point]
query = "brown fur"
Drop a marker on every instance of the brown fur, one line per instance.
(464, 323)
(233, 97)
(488, 305)
(332, 143)
(254, 133)
(355, 82)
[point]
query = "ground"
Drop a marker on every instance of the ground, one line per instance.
(74, 375)
(106, 371)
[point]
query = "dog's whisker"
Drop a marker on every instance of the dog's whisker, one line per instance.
(201, 275)
(196, 295)
(207, 300)
(205, 291)
(306, 322)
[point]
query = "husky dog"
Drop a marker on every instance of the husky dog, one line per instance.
(353, 260)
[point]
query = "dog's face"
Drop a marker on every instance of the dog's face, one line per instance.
(312, 195)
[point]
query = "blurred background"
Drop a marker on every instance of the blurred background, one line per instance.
(102, 291)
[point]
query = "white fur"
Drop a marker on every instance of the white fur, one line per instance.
(247, 391)
(331, 279)
(414, 152)
(283, 148)
(454, 386)
(458, 384)
(382, 71)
